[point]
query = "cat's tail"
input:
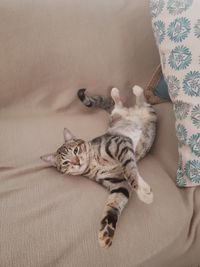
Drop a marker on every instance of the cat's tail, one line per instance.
(98, 101)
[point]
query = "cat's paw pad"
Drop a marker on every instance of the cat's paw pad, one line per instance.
(115, 92)
(145, 193)
(137, 90)
(105, 236)
(115, 95)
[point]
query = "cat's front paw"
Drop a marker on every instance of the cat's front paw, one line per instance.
(107, 230)
(106, 236)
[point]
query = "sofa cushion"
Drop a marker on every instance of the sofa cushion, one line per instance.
(176, 27)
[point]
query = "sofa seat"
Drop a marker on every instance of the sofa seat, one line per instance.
(49, 49)
(49, 219)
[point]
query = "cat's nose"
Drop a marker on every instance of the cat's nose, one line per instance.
(76, 161)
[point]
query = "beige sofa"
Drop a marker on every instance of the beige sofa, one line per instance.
(49, 49)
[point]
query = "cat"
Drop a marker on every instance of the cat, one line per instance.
(111, 159)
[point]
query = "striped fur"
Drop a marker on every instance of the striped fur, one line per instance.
(111, 159)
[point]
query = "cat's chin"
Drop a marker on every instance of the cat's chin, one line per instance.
(79, 171)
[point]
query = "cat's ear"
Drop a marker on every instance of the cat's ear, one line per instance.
(67, 134)
(50, 159)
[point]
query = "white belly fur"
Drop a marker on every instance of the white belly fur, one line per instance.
(131, 124)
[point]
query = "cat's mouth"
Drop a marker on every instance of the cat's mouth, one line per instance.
(77, 170)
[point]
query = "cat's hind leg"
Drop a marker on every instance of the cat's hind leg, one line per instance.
(116, 98)
(139, 93)
(119, 111)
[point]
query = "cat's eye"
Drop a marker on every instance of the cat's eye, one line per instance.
(76, 150)
(65, 162)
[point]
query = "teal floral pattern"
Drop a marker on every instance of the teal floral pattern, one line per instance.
(191, 83)
(176, 7)
(159, 30)
(180, 180)
(179, 29)
(176, 25)
(181, 109)
(181, 134)
(173, 85)
(156, 7)
(192, 170)
(197, 29)
(163, 60)
(180, 58)
(194, 143)
(195, 114)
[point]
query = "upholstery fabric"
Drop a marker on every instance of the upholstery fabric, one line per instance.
(49, 49)
(161, 89)
(156, 90)
(176, 25)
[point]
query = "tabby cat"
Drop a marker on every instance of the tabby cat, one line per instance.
(111, 159)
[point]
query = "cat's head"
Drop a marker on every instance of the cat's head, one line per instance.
(72, 157)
